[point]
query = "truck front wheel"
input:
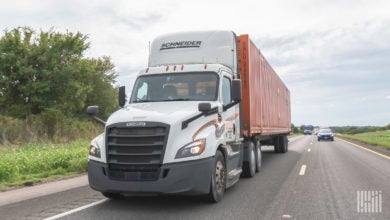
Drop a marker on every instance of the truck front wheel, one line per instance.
(218, 179)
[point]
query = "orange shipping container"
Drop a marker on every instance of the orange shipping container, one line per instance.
(265, 99)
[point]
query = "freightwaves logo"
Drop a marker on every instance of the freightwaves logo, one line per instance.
(180, 44)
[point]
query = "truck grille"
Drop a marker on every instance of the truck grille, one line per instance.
(136, 153)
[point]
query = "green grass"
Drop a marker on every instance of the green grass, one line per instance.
(36, 162)
(379, 138)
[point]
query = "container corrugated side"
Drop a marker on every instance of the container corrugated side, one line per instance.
(265, 98)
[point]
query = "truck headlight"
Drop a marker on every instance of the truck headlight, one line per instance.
(192, 149)
(94, 149)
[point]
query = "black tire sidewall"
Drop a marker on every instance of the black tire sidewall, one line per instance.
(257, 155)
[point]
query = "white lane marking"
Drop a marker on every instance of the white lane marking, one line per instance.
(308, 150)
(302, 171)
(75, 210)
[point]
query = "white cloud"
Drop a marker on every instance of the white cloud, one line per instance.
(328, 52)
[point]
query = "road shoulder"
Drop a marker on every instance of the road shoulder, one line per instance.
(17, 195)
(368, 146)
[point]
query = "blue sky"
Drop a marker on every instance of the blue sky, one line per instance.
(334, 55)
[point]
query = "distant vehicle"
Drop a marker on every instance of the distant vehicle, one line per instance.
(325, 134)
(305, 132)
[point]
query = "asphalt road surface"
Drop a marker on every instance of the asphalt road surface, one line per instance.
(314, 180)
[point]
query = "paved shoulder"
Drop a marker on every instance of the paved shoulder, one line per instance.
(17, 195)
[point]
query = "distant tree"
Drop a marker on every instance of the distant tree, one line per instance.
(294, 129)
(48, 70)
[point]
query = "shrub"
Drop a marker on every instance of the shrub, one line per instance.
(50, 126)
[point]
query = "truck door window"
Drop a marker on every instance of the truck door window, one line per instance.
(226, 91)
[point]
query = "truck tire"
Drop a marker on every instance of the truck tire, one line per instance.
(258, 156)
(249, 166)
(112, 195)
(218, 179)
(283, 144)
(277, 144)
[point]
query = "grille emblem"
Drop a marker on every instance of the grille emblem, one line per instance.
(135, 124)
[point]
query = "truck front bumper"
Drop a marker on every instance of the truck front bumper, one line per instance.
(190, 177)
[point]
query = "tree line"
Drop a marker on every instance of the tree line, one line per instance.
(46, 79)
(48, 70)
(344, 129)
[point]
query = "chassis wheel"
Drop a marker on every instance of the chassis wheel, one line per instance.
(258, 156)
(249, 166)
(283, 144)
(277, 144)
(218, 179)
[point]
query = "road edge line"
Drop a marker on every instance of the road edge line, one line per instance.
(75, 210)
(364, 148)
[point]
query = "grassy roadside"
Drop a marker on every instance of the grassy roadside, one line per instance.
(380, 139)
(37, 162)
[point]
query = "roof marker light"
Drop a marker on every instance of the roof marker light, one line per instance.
(205, 66)
(182, 67)
(174, 68)
(166, 69)
(147, 70)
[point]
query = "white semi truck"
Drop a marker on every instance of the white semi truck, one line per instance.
(195, 121)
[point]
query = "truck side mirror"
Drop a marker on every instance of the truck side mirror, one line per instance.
(93, 110)
(122, 96)
(236, 90)
(204, 107)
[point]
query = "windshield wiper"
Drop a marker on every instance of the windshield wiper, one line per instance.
(178, 99)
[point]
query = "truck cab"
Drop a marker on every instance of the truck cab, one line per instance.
(179, 131)
(195, 120)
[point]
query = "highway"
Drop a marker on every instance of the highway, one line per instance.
(314, 180)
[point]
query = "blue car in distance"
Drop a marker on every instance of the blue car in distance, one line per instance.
(325, 134)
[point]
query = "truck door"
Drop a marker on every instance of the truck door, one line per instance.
(229, 115)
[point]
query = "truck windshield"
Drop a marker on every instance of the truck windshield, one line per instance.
(176, 87)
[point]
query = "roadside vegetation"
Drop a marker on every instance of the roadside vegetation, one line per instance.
(374, 135)
(46, 83)
(378, 138)
(36, 162)
(359, 129)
